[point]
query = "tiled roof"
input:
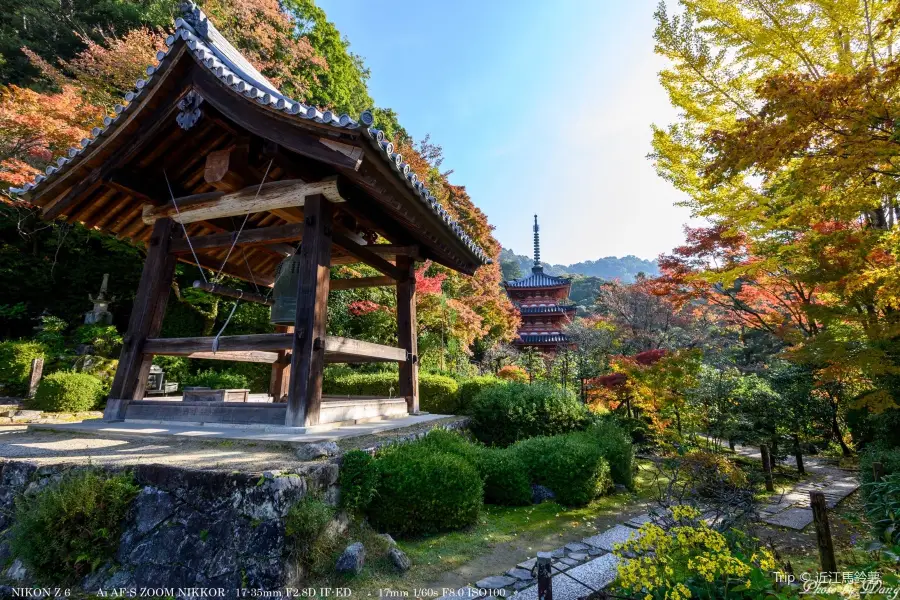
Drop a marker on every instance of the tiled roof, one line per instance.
(538, 279)
(543, 338)
(216, 53)
(531, 310)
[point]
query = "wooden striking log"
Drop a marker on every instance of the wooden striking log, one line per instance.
(406, 333)
(221, 290)
(823, 532)
(354, 350)
(361, 282)
(272, 195)
(249, 237)
(271, 342)
(255, 356)
(146, 320)
(366, 255)
(308, 360)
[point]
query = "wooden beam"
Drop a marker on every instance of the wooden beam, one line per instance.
(307, 357)
(366, 255)
(280, 379)
(235, 270)
(406, 333)
(361, 282)
(146, 320)
(358, 349)
(254, 198)
(221, 290)
(271, 342)
(260, 236)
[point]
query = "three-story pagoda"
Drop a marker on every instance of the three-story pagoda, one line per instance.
(542, 301)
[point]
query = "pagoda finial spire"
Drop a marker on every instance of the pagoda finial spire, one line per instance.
(537, 246)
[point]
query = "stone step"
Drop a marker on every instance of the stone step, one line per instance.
(609, 538)
(597, 574)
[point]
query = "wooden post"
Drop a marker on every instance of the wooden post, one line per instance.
(767, 467)
(798, 454)
(823, 532)
(146, 321)
(877, 472)
(281, 370)
(37, 369)
(544, 575)
(406, 332)
(308, 355)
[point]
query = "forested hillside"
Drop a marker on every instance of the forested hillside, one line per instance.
(624, 269)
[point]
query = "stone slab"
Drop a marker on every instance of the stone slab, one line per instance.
(639, 520)
(792, 518)
(569, 561)
(609, 538)
(519, 573)
(579, 556)
(527, 564)
(495, 582)
(576, 547)
(597, 573)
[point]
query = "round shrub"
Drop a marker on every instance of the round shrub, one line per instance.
(451, 442)
(471, 387)
(616, 447)
(424, 492)
(72, 527)
(15, 365)
(66, 391)
(357, 480)
(505, 476)
(570, 465)
(502, 415)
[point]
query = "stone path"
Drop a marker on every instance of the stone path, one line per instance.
(791, 509)
(582, 567)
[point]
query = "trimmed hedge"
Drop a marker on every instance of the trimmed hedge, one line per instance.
(71, 528)
(506, 480)
(570, 465)
(437, 393)
(505, 414)
(424, 492)
(471, 387)
(616, 447)
(67, 391)
(217, 380)
(357, 481)
(15, 365)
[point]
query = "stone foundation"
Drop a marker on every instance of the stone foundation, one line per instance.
(188, 528)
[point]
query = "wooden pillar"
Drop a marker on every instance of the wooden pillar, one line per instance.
(406, 332)
(146, 320)
(823, 532)
(281, 370)
(308, 356)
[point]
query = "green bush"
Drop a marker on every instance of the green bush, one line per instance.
(437, 393)
(506, 480)
(104, 338)
(616, 447)
(883, 507)
(66, 391)
(358, 479)
(570, 465)
(505, 476)
(502, 415)
(71, 528)
(424, 492)
(217, 380)
(877, 453)
(471, 387)
(15, 365)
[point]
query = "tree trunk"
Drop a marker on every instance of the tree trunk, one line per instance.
(836, 430)
(798, 454)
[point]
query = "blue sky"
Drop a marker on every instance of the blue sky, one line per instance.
(541, 107)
